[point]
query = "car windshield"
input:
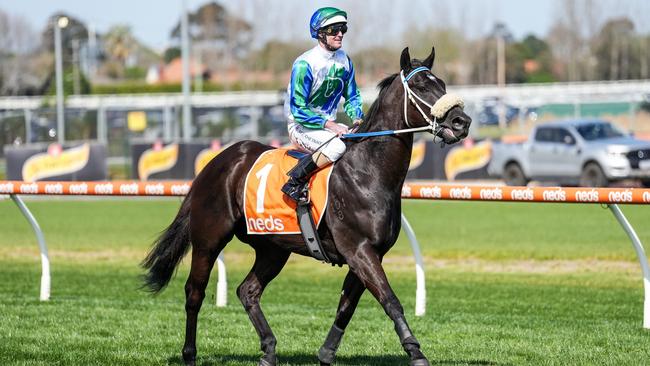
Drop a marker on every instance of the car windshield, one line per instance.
(598, 131)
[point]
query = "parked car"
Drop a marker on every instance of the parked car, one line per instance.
(488, 114)
(590, 153)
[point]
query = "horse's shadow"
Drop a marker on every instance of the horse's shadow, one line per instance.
(310, 359)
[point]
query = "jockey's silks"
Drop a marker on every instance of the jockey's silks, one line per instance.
(319, 78)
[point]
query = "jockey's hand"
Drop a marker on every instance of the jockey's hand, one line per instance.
(338, 129)
(356, 124)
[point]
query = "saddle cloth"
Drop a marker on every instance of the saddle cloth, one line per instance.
(266, 209)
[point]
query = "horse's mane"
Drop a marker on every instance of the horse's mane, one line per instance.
(374, 108)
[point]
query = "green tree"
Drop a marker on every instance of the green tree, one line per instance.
(68, 83)
(171, 53)
(119, 44)
(528, 61)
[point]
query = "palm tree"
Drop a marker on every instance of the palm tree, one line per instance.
(119, 43)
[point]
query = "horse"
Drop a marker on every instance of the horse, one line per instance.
(360, 224)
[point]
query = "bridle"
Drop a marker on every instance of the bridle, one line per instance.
(411, 96)
(437, 110)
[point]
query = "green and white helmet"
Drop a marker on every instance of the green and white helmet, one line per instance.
(324, 17)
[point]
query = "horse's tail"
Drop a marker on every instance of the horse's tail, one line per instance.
(168, 250)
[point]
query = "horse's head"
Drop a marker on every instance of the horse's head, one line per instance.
(429, 103)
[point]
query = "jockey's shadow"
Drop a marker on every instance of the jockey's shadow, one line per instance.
(302, 359)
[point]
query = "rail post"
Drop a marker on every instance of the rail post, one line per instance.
(420, 288)
(45, 259)
(643, 260)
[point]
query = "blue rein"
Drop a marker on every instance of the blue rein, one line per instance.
(367, 134)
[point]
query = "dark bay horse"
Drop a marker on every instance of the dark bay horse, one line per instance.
(360, 225)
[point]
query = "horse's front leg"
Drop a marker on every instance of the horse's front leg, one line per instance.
(366, 264)
(350, 295)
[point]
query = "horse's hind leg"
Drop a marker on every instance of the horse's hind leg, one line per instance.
(352, 290)
(268, 263)
(208, 240)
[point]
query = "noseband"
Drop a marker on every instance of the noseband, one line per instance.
(437, 110)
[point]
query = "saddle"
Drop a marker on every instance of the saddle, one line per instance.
(268, 211)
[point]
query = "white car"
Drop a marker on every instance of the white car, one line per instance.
(589, 153)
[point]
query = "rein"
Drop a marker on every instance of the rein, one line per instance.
(433, 126)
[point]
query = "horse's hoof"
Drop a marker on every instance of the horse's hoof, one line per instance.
(264, 362)
(325, 364)
(189, 355)
(420, 362)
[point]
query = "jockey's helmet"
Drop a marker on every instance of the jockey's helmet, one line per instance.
(324, 17)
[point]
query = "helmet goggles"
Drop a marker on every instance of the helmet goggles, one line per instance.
(334, 29)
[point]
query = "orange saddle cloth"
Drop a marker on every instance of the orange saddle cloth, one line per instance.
(267, 209)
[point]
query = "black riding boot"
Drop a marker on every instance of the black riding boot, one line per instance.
(296, 186)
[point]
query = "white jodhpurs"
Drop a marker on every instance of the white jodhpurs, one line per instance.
(309, 139)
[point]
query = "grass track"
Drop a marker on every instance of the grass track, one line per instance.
(474, 316)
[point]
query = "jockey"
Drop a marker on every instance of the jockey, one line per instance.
(319, 77)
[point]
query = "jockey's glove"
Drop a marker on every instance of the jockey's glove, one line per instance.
(356, 124)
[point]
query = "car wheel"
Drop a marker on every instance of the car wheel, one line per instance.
(514, 176)
(593, 176)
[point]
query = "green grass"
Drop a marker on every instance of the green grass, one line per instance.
(487, 304)
(488, 230)
(512, 230)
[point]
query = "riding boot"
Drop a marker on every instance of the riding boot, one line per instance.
(296, 186)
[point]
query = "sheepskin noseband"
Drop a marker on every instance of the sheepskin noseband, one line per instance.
(444, 104)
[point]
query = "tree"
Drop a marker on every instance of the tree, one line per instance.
(16, 35)
(566, 39)
(614, 52)
(275, 56)
(171, 53)
(75, 30)
(448, 40)
(119, 44)
(223, 39)
(21, 72)
(484, 54)
(376, 62)
(126, 56)
(529, 61)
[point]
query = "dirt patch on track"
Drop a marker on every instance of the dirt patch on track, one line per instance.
(519, 266)
(121, 254)
(397, 263)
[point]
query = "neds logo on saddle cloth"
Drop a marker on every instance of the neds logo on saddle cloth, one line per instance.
(267, 209)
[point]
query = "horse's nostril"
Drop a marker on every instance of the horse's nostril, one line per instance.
(458, 123)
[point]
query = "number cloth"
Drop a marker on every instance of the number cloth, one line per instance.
(266, 208)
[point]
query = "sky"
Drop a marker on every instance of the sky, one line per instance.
(288, 19)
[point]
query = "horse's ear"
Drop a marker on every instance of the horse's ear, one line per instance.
(405, 60)
(428, 62)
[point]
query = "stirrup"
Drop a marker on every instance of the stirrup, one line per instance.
(297, 191)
